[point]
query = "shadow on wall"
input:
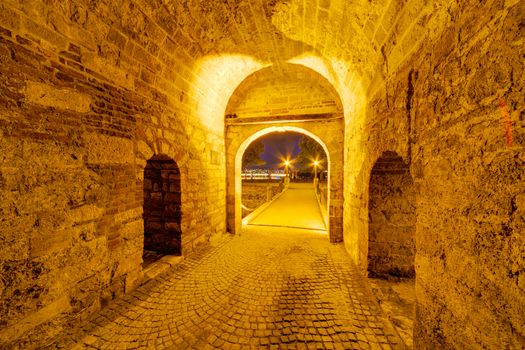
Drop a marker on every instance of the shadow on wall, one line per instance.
(162, 206)
(392, 219)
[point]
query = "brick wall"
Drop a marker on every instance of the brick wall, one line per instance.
(162, 206)
(83, 106)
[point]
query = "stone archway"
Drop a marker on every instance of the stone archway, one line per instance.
(162, 206)
(283, 96)
(243, 135)
(392, 218)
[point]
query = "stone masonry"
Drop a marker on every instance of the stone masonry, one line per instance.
(327, 130)
(92, 90)
(446, 109)
(80, 115)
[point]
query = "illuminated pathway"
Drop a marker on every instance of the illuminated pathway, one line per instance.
(296, 207)
(269, 288)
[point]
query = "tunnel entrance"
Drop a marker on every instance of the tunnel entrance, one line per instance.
(162, 208)
(284, 182)
(392, 219)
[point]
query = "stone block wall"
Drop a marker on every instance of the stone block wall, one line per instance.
(455, 111)
(90, 90)
(82, 108)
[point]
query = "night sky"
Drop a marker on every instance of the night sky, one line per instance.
(277, 146)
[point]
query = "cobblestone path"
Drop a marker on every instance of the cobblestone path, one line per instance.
(264, 289)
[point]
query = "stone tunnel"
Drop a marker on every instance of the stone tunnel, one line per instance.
(122, 125)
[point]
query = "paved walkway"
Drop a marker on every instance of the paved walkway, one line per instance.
(268, 288)
(296, 207)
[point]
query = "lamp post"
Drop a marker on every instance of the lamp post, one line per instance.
(316, 180)
(287, 177)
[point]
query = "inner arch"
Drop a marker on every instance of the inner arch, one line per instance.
(284, 89)
(244, 145)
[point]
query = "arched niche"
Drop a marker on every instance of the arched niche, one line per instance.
(162, 206)
(392, 218)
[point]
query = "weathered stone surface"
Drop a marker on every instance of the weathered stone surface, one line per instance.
(292, 91)
(102, 149)
(439, 82)
(47, 95)
(75, 134)
(443, 110)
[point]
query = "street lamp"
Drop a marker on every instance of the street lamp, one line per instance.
(286, 176)
(316, 180)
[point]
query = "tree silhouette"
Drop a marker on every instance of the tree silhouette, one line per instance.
(252, 155)
(310, 151)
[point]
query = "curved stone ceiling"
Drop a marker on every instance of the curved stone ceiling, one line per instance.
(286, 89)
(370, 36)
(202, 49)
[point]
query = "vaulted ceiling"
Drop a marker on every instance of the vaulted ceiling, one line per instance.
(202, 50)
(369, 36)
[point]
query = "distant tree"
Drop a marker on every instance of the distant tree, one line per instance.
(310, 150)
(252, 155)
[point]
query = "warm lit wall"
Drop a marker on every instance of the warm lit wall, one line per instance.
(92, 89)
(282, 96)
(450, 109)
(84, 102)
(285, 98)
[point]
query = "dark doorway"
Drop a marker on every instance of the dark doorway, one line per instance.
(162, 208)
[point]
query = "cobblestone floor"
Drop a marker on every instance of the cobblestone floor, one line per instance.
(268, 288)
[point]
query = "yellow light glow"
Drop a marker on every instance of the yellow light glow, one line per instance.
(339, 73)
(215, 80)
(316, 163)
(316, 63)
(287, 162)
